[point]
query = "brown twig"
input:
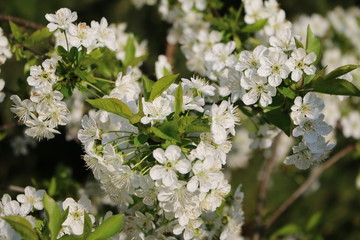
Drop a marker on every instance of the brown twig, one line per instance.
(8, 126)
(21, 22)
(264, 183)
(314, 175)
(170, 53)
(13, 188)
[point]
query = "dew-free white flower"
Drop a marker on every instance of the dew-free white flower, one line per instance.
(61, 19)
(33, 197)
(263, 137)
(309, 106)
(249, 62)
(283, 40)
(75, 218)
(90, 131)
(273, 67)
(300, 62)
(43, 76)
(259, 90)
(105, 36)
(189, 230)
(254, 10)
(199, 85)
(276, 23)
(156, 110)
(2, 85)
(81, 35)
(171, 159)
(95, 163)
(187, 5)
(14, 208)
(39, 129)
(302, 157)
(221, 56)
(127, 88)
(311, 129)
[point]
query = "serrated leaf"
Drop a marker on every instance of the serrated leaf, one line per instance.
(280, 119)
(336, 87)
(112, 105)
(129, 51)
(341, 71)
(161, 85)
(16, 31)
(257, 26)
(162, 135)
(147, 86)
(54, 216)
(313, 44)
(22, 227)
(108, 228)
(178, 100)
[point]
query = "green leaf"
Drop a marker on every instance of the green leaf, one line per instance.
(185, 122)
(287, 92)
(40, 35)
(336, 87)
(178, 100)
(129, 51)
(54, 216)
(108, 228)
(3, 135)
(280, 119)
(137, 60)
(60, 50)
(161, 85)
(52, 186)
(140, 140)
(277, 102)
(313, 44)
(257, 26)
(198, 126)
(287, 230)
(314, 221)
(87, 226)
(298, 43)
(341, 71)
(147, 85)
(16, 31)
(22, 227)
(162, 135)
(314, 77)
(171, 129)
(112, 105)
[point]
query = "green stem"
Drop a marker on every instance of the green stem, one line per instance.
(95, 87)
(137, 164)
(118, 144)
(103, 80)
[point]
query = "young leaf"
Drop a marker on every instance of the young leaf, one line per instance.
(171, 129)
(185, 121)
(162, 135)
(147, 84)
(178, 100)
(313, 44)
(54, 216)
(40, 35)
(314, 77)
(108, 228)
(287, 92)
(257, 26)
(112, 105)
(341, 71)
(198, 126)
(16, 31)
(161, 85)
(22, 227)
(336, 87)
(280, 119)
(87, 226)
(129, 51)
(298, 43)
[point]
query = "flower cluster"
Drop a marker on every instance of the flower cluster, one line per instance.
(306, 114)
(164, 175)
(30, 201)
(45, 110)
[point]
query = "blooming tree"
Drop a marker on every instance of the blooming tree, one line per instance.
(158, 146)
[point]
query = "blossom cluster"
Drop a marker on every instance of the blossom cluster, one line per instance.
(178, 180)
(45, 110)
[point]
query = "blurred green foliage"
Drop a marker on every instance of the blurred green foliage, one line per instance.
(331, 210)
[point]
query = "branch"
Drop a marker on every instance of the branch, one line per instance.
(21, 22)
(12, 188)
(8, 126)
(264, 183)
(314, 175)
(170, 52)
